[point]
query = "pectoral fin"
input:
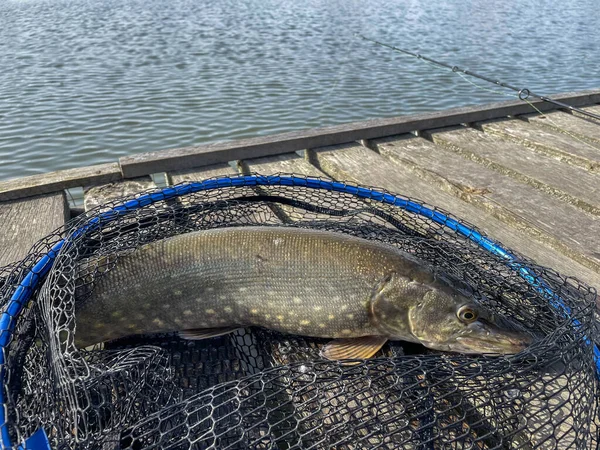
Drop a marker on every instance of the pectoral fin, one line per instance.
(353, 348)
(197, 334)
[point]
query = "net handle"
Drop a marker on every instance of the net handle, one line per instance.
(28, 284)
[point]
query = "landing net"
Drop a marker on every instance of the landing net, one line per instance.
(263, 390)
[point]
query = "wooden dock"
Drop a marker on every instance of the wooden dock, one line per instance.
(530, 181)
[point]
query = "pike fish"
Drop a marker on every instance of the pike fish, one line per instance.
(308, 282)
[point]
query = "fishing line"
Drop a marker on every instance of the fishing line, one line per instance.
(558, 127)
(522, 93)
(462, 73)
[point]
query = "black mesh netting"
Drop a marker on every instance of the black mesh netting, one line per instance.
(259, 389)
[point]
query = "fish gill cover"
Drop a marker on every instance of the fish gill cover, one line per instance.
(259, 389)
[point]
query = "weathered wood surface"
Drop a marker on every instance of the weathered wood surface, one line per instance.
(222, 152)
(558, 224)
(182, 158)
(59, 180)
(361, 165)
(545, 140)
(200, 173)
(24, 222)
(572, 184)
(100, 195)
(286, 163)
(261, 214)
(580, 126)
(593, 109)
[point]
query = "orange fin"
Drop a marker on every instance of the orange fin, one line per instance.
(197, 334)
(353, 348)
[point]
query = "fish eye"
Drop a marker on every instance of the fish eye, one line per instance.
(467, 314)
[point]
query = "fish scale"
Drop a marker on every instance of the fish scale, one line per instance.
(301, 275)
(292, 280)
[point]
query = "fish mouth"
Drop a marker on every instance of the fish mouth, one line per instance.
(488, 339)
(507, 346)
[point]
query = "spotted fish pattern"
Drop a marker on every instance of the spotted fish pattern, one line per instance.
(299, 281)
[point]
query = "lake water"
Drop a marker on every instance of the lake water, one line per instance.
(87, 81)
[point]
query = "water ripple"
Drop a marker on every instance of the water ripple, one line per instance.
(86, 82)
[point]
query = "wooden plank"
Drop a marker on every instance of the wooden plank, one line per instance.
(546, 141)
(361, 165)
(259, 214)
(24, 222)
(99, 195)
(564, 181)
(200, 173)
(557, 224)
(577, 126)
(220, 152)
(593, 109)
(56, 181)
(286, 163)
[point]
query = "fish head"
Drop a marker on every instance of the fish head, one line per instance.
(440, 318)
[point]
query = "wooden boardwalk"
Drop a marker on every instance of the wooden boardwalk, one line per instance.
(528, 180)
